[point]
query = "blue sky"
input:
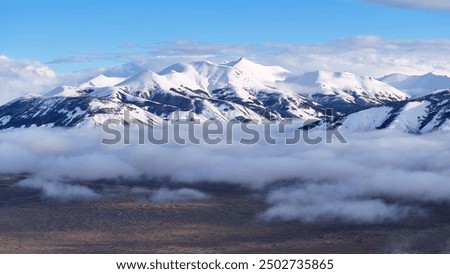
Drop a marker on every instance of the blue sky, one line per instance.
(47, 43)
(61, 31)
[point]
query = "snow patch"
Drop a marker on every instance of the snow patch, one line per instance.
(4, 120)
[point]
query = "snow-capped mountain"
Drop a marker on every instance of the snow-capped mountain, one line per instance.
(239, 90)
(235, 90)
(418, 115)
(345, 92)
(418, 85)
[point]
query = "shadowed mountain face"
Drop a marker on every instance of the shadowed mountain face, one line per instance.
(235, 91)
(419, 115)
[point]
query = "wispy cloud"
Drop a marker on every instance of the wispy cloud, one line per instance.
(182, 194)
(59, 191)
(421, 4)
(69, 60)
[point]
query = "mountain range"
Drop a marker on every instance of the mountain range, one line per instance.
(240, 90)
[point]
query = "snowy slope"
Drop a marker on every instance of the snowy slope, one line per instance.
(368, 119)
(66, 91)
(59, 111)
(230, 91)
(265, 74)
(344, 91)
(418, 85)
(419, 115)
(240, 90)
(412, 116)
(221, 81)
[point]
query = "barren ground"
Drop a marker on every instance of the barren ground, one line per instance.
(225, 223)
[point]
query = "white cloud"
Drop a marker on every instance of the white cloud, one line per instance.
(371, 55)
(182, 194)
(422, 4)
(164, 194)
(59, 191)
(367, 55)
(20, 77)
(312, 203)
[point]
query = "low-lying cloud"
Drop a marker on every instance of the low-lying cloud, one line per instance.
(378, 176)
(183, 194)
(59, 191)
(342, 201)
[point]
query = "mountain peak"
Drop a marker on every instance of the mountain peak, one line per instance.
(65, 91)
(178, 67)
(146, 79)
(101, 81)
(324, 76)
(240, 60)
(265, 74)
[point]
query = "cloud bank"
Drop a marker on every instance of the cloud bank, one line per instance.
(379, 176)
(20, 77)
(421, 4)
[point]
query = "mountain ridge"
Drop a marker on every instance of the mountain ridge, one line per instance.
(239, 90)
